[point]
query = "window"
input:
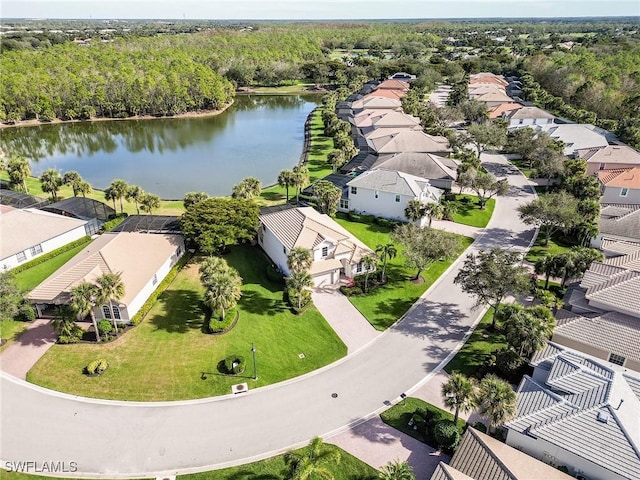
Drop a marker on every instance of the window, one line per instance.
(284, 250)
(354, 190)
(397, 198)
(521, 121)
(155, 279)
(325, 251)
(376, 194)
(344, 204)
(602, 166)
(624, 192)
(107, 312)
(359, 268)
(21, 256)
(617, 359)
(36, 249)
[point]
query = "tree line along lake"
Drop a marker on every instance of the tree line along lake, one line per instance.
(257, 136)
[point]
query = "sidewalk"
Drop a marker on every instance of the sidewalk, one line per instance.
(458, 228)
(350, 325)
(26, 350)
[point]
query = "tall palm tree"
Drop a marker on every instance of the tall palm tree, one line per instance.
(286, 180)
(19, 170)
(497, 400)
(63, 322)
(459, 393)
(191, 198)
(396, 470)
(247, 188)
(386, 251)
(83, 188)
(449, 209)
(545, 265)
(415, 210)
(298, 281)
(336, 159)
(119, 188)
(110, 288)
(149, 202)
(434, 210)
(300, 179)
(223, 291)
(368, 263)
(527, 330)
(299, 259)
(110, 196)
(312, 462)
(72, 179)
(51, 181)
(83, 299)
(135, 194)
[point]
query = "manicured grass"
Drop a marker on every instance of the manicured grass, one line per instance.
(387, 303)
(317, 162)
(469, 212)
(10, 329)
(274, 468)
(400, 415)
(168, 357)
(167, 207)
(539, 250)
(32, 277)
(481, 343)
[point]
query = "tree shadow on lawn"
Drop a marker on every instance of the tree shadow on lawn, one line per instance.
(183, 312)
(254, 302)
(274, 196)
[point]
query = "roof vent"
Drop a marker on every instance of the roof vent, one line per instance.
(603, 417)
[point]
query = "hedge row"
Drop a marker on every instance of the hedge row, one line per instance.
(137, 318)
(51, 254)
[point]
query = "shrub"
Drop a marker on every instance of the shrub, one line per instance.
(446, 434)
(96, 367)
(449, 197)
(350, 291)
(291, 296)
(360, 217)
(73, 337)
(479, 426)
(508, 363)
(385, 222)
(215, 325)
(233, 365)
(274, 274)
(50, 255)
(113, 223)
(26, 313)
(465, 200)
(104, 327)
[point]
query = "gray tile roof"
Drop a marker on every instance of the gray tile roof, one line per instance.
(620, 221)
(361, 162)
(396, 182)
(425, 165)
(528, 112)
(409, 141)
(620, 292)
(619, 247)
(564, 409)
(598, 273)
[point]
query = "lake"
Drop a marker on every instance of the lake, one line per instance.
(258, 136)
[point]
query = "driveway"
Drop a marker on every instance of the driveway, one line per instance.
(23, 353)
(132, 440)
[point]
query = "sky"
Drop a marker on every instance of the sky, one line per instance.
(314, 9)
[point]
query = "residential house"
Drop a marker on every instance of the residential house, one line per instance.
(528, 116)
(504, 108)
(618, 222)
(487, 77)
(478, 89)
(94, 212)
(376, 103)
(409, 141)
(393, 84)
(575, 136)
(361, 162)
(28, 233)
(143, 260)
(581, 413)
(335, 251)
(481, 457)
(492, 99)
(609, 158)
(440, 171)
(621, 185)
(386, 193)
(385, 119)
(386, 93)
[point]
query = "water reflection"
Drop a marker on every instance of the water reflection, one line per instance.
(258, 135)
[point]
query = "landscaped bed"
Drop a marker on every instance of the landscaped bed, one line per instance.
(168, 357)
(387, 303)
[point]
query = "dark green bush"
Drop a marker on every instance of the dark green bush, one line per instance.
(351, 291)
(449, 197)
(113, 223)
(465, 200)
(446, 434)
(359, 217)
(233, 365)
(50, 255)
(509, 365)
(479, 426)
(291, 297)
(74, 337)
(26, 313)
(218, 325)
(274, 274)
(96, 367)
(384, 222)
(105, 326)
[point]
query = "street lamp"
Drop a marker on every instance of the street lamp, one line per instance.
(255, 367)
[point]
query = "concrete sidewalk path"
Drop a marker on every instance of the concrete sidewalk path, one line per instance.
(26, 350)
(345, 319)
(376, 443)
(458, 228)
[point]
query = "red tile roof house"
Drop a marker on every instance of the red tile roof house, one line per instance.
(621, 186)
(609, 157)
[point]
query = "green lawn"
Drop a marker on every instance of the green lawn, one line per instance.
(400, 415)
(469, 212)
(317, 162)
(167, 357)
(274, 468)
(387, 303)
(481, 343)
(32, 277)
(10, 329)
(167, 207)
(539, 250)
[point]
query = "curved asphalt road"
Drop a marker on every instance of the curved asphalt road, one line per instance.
(119, 439)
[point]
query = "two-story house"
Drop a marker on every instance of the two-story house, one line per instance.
(620, 186)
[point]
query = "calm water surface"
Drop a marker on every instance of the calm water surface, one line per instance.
(258, 136)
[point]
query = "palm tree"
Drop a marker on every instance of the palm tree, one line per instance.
(110, 196)
(368, 263)
(51, 181)
(119, 190)
(434, 210)
(191, 198)
(300, 179)
(386, 251)
(135, 194)
(459, 394)
(299, 259)
(449, 209)
(298, 281)
(415, 210)
(497, 400)
(546, 266)
(286, 180)
(312, 462)
(528, 329)
(83, 188)
(223, 291)
(19, 170)
(72, 179)
(148, 202)
(210, 266)
(83, 299)
(247, 188)
(64, 322)
(110, 287)
(396, 470)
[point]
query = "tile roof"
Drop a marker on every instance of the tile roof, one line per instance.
(137, 256)
(620, 292)
(425, 165)
(630, 261)
(387, 93)
(409, 141)
(362, 161)
(620, 177)
(611, 154)
(564, 410)
(498, 110)
(575, 136)
(621, 221)
(385, 118)
(528, 112)
(376, 103)
(494, 97)
(393, 84)
(26, 227)
(619, 246)
(396, 182)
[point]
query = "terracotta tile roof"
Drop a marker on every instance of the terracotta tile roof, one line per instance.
(498, 110)
(393, 84)
(388, 93)
(622, 178)
(610, 154)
